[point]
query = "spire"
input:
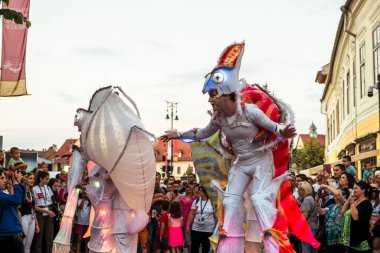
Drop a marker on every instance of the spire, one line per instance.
(313, 130)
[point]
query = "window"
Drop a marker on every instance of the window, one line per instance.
(343, 101)
(376, 51)
(362, 70)
(367, 145)
(337, 119)
(333, 127)
(328, 131)
(354, 83)
(348, 92)
(180, 154)
(178, 170)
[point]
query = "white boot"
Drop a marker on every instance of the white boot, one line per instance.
(264, 203)
(231, 238)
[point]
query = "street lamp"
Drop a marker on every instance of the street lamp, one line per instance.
(370, 92)
(171, 106)
(376, 86)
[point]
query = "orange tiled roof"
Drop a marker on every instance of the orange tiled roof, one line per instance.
(320, 138)
(161, 150)
(65, 148)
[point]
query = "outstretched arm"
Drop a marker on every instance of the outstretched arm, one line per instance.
(257, 116)
(195, 134)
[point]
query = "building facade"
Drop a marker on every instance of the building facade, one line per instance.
(182, 160)
(352, 117)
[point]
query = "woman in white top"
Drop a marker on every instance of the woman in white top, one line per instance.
(45, 216)
(28, 215)
(203, 222)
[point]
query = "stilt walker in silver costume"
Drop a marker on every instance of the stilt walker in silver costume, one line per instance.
(253, 161)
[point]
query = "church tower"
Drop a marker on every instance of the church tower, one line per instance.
(313, 131)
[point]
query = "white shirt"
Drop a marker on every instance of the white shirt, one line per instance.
(84, 213)
(204, 220)
(316, 187)
(42, 195)
(295, 193)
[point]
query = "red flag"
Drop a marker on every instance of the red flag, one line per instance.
(14, 51)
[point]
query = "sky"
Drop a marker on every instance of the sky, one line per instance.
(159, 51)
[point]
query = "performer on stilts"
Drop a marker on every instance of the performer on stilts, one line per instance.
(253, 165)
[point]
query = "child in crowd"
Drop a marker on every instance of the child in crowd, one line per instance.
(16, 162)
(164, 228)
(143, 240)
(175, 227)
(83, 218)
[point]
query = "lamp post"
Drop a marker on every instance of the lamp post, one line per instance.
(370, 93)
(171, 106)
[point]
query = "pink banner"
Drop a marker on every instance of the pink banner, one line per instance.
(14, 52)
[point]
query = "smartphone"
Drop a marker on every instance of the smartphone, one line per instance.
(327, 168)
(154, 213)
(23, 172)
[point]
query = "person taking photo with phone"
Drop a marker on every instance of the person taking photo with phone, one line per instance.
(10, 224)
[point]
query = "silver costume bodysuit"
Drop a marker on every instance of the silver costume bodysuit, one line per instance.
(252, 170)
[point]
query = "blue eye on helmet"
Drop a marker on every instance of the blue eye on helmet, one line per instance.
(221, 79)
(217, 77)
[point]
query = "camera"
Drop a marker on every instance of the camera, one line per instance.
(320, 193)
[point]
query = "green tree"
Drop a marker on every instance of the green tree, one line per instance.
(189, 169)
(16, 16)
(311, 155)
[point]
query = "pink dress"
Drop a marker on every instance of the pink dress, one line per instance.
(186, 208)
(175, 232)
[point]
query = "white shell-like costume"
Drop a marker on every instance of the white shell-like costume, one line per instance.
(122, 181)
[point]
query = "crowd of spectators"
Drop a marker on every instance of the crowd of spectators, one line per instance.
(31, 208)
(181, 217)
(342, 211)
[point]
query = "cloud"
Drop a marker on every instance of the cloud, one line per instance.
(156, 44)
(96, 51)
(196, 75)
(314, 96)
(316, 6)
(68, 98)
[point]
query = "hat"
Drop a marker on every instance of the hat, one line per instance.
(224, 78)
